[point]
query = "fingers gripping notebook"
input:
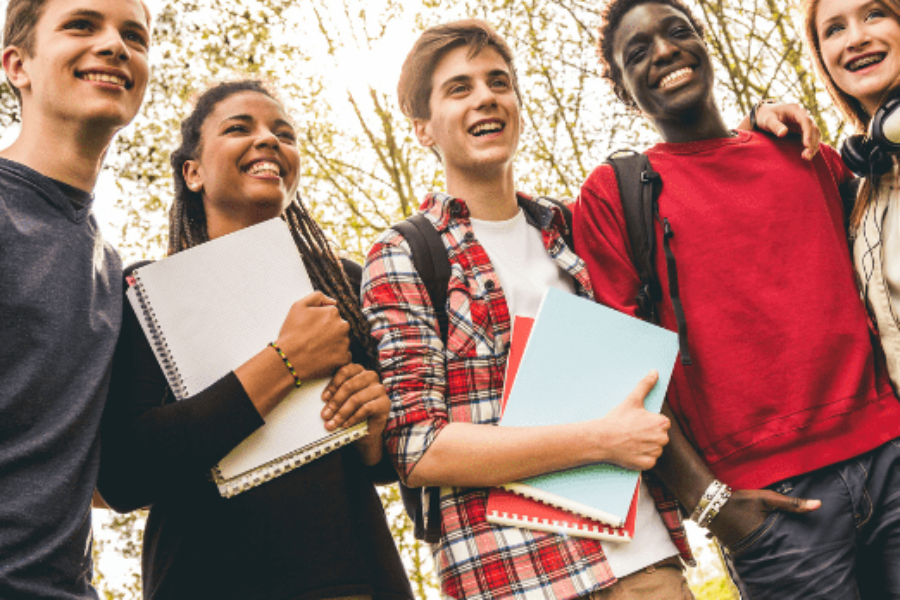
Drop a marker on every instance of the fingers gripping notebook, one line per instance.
(208, 310)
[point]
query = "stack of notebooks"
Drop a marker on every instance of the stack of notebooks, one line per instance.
(208, 310)
(575, 362)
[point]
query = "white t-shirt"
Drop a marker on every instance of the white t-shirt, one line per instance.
(520, 260)
(891, 235)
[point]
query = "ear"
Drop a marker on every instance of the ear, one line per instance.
(192, 175)
(422, 128)
(14, 65)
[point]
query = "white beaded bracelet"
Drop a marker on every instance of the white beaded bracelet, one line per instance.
(706, 498)
(714, 506)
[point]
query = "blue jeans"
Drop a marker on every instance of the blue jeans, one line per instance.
(848, 549)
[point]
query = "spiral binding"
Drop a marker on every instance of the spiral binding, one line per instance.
(532, 493)
(158, 341)
(600, 531)
(272, 469)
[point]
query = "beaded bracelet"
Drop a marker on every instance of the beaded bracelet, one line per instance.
(716, 505)
(287, 363)
(705, 499)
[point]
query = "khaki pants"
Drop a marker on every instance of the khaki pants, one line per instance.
(663, 581)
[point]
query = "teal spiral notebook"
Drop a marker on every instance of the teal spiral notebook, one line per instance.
(583, 359)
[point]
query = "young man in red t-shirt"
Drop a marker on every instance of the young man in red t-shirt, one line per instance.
(785, 391)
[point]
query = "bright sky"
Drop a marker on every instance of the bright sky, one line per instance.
(378, 67)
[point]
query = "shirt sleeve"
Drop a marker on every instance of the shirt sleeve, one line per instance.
(601, 240)
(154, 446)
(410, 351)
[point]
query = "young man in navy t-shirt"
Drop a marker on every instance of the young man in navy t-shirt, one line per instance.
(79, 69)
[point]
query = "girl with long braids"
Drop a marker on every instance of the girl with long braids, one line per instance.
(318, 531)
(855, 45)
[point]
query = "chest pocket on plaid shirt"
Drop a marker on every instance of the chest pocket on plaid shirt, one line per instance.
(471, 328)
(474, 367)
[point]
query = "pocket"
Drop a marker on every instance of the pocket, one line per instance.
(752, 538)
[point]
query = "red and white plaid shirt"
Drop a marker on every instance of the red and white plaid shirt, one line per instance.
(430, 386)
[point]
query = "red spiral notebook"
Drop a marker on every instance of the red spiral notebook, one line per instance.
(510, 509)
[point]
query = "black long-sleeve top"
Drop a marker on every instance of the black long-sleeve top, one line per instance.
(316, 532)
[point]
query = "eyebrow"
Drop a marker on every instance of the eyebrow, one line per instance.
(664, 22)
(99, 16)
(249, 119)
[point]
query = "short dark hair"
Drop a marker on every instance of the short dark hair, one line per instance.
(415, 85)
(22, 17)
(610, 19)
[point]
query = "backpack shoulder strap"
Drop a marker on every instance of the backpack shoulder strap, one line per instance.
(638, 197)
(430, 259)
(567, 217)
(639, 189)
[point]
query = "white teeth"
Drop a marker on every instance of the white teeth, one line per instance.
(673, 78)
(104, 78)
(486, 128)
(267, 168)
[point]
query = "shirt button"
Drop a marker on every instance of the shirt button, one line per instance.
(489, 286)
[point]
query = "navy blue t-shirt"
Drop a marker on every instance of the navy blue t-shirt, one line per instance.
(60, 314)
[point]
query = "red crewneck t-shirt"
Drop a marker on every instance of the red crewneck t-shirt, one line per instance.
(784, 378)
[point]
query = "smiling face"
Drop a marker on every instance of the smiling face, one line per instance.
(248, 167)
(475, 120)
(89, 62)
(663, 61)
(860, 46)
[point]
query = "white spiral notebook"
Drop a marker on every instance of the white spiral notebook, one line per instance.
(208, 310)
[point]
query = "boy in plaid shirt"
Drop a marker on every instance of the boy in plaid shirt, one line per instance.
(459, 87)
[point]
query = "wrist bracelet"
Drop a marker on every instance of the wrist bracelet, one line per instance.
(705, 499)
(287, 363)
(753, 124)
(712, 511)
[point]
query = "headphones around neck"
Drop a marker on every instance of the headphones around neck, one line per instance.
(872, 155)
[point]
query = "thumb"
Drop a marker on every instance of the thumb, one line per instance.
(639, 393)
(783, 503)
(316, 299)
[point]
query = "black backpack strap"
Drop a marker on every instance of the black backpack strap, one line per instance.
(639, 189)
(567, 217)
(431, 262)
(430, 259)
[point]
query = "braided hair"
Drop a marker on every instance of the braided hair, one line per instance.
(187, 219)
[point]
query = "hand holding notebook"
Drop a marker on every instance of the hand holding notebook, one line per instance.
(635, 435)
(581, 360)
(211, 309)
(511, 509)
